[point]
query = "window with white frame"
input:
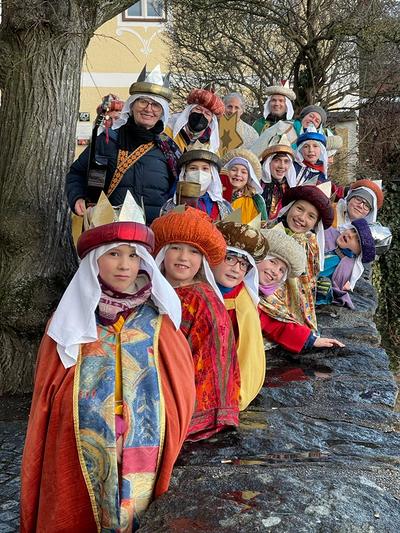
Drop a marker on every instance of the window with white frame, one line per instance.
(149, 10)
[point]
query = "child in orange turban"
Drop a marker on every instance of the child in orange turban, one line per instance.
(187, 244)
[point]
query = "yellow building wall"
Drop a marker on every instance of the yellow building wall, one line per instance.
(114, 58)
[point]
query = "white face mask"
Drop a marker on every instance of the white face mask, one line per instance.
(199, 176)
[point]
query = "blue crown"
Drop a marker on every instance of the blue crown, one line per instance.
(311, 136)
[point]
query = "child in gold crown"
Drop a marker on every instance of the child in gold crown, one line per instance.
(114, 390)
(199, 168)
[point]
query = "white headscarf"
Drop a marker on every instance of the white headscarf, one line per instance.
(179, 121)
(266, 174)
(319, 232)
(251, 278)
(126, 110)
(285, 275)
(207, 270)
(358, 267)
(214, 190)
(253, 180)
(289, 108)
(74, 321)
(323, 156)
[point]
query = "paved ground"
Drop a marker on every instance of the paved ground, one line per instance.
(13, 420)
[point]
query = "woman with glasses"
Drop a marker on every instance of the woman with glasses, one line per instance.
(187, 243)
(133, 158)
(237, 279)
(362, 201)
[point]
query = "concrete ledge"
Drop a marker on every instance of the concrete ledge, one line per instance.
(319, 453)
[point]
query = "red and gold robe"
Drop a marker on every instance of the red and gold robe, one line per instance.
(55, 494)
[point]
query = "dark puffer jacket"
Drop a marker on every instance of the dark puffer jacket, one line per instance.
(149, 179)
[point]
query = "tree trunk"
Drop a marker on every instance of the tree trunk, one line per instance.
(43, 45)
(40, 109)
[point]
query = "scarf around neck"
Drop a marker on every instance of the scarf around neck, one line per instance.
(131, 135)
(113, 304)
(315, 166)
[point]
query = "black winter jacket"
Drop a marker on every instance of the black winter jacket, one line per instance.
(148, 179)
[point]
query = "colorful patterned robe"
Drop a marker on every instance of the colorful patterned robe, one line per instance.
(207, 327)
(70, 477)
(295, 300)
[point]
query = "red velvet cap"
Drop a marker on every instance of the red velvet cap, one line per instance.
(314, 195)
(115, 232)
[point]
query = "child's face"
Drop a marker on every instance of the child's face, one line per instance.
(181, 264)
(279, 167)
(311, 151)
(302, 217)
(238, 176)
(349, 239)
(271, 271)
(231, 271)
(119, 267)
(357, 207)
(200, 172)
(198, 165)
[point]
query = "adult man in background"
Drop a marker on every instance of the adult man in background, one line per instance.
(278, 106)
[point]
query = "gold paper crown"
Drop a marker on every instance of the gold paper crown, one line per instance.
(199, 152)
(104, 213)
(188, 189)
(152, 83)
(279, 145)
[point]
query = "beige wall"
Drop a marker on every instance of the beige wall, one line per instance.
(114, 58)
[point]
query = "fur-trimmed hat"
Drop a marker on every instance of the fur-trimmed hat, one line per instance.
(208, 99)
(244, 237)
(366, 240)
(280, 89)
(370, 185)
(314, 109)
(316, 197)
(192, 227)
(285, 248)
(245, 154)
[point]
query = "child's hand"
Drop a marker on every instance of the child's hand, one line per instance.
(324, 342)
(346, 286)
(80, 207)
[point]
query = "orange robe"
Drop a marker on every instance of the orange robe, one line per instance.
(54, 495)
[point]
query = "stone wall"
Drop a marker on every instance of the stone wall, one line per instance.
(318, 450)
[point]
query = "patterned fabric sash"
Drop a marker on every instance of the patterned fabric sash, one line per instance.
(125, 161)
(298, 294)
(120, 493)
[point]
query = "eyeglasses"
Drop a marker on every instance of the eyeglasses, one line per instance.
(143, 102)
(363, 203)
(232, 260)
